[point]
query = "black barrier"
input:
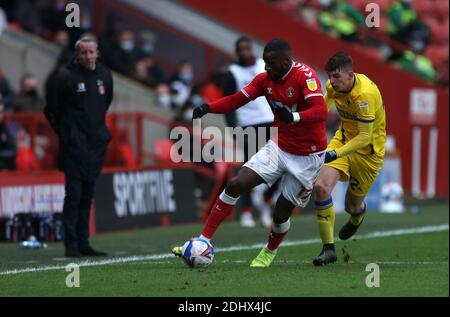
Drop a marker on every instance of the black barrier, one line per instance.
(138, 199)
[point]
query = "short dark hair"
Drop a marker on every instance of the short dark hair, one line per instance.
(339, 60)
(242, 39)
(277, 45)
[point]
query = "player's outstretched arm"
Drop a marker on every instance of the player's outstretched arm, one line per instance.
(223, 105)
(360, 141)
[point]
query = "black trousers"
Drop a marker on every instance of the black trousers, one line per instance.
(76, 211)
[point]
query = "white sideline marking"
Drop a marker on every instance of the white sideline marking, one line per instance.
(87, 263)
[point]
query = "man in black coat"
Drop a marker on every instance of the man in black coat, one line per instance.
(8, 146)
(77, 101)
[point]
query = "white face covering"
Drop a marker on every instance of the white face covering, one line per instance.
(164, 101)
(325, 3)
(148, 48)
(186, 76)
(188, 114)
(127, 46)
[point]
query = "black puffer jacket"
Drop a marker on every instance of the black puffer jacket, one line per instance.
(77, 102)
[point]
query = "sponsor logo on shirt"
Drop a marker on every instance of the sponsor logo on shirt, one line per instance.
(81, 87)
(312, 84)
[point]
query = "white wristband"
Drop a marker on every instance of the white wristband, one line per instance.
(296, 116)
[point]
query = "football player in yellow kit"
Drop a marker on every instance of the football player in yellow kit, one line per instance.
(354, 155)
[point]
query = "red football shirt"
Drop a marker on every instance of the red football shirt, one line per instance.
(298, 91)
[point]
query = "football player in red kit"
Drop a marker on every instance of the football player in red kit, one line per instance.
(294, 93)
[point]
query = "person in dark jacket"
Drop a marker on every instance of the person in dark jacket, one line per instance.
(8, 146)
(77, 101)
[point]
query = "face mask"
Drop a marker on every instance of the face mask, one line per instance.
(188, 114)
(148, 48)
(164, 101)
(86, 25)
(127, 46)
(325, 3)
(186, 76)
(197, 100)
(417, 46)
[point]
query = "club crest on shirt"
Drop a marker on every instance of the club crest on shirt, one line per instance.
(312, 84)
(81, 87)
(101, 87)
(290, 92)
(269, 90)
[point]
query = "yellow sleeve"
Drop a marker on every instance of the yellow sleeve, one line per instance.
(329, 100)
(358, 142)
(365, 116)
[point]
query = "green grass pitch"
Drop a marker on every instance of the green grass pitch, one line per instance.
(410, 250)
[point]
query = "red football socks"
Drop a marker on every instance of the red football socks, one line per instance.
(277, 234)
(221, 210)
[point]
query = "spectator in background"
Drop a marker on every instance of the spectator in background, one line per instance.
(341, 18)
(213, 88)
(184, 114)
(146, 44)
(53, 17)
(417, 64)
(26, 158)
(3, 21)
(146, 47)
(61, 39)
(28, 99)
(140, 73)
(155, 73)
(182, 83)
(405, 27)
(8, 148)
(163, 96)
(125, 54)
(28, 15)
(108, 40)
(6, 93)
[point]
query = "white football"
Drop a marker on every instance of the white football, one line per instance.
(198, 252)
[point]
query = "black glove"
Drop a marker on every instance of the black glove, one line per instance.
(200, 111)
(284, 114)
(330, 156)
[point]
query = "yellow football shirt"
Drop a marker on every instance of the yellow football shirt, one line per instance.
(360, 110)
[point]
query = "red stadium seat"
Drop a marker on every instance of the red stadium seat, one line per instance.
(424, 7)
(439, 31)
(162, 151)
(442, 8)
(438, 55)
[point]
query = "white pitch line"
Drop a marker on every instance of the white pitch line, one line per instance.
(87, 263)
